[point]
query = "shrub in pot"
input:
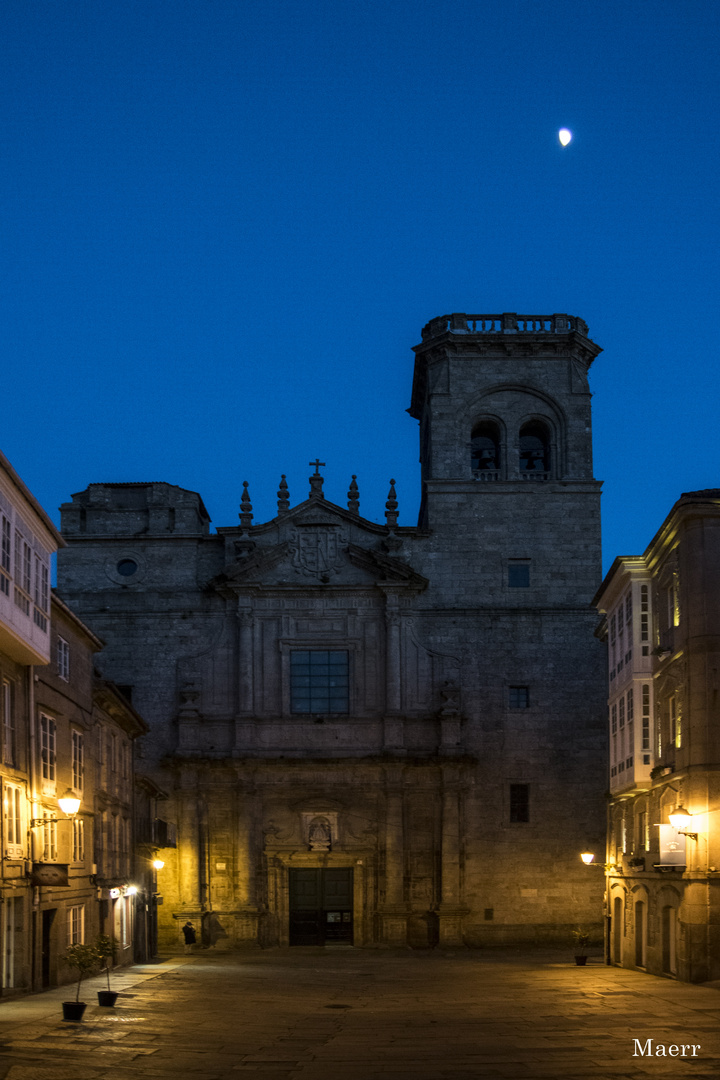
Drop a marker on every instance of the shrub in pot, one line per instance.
(105, 947)
(582, 940)
(83, 958)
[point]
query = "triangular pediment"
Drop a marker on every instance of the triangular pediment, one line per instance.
(316, 543)
(315, 554)
(315, 514)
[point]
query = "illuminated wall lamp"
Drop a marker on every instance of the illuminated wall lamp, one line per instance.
(68, 803)
(588, 857)
(679, 817)
(157, 864)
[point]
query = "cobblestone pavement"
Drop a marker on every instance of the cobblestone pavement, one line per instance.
(341, 1014)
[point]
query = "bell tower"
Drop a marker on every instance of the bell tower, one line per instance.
(506, 448)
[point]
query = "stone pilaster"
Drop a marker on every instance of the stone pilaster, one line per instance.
(188, 843)
(451, 909)
(393, 912)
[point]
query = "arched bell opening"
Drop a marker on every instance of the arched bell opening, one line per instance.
(534, 447)
(485, 451)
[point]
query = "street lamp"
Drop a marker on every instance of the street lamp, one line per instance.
(680, 817)
(69, 803)
(588, 857)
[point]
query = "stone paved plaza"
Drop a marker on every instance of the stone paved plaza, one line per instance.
(343, 1014)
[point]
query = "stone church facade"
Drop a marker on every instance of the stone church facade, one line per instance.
(377, 734)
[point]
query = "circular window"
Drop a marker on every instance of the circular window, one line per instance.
(127, 567)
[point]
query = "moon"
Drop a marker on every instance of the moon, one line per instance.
(564, 136)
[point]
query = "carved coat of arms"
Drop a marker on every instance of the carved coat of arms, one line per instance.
(318, 551)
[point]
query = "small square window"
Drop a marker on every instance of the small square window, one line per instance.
(518, 575)
(520, 802)
(519, 697)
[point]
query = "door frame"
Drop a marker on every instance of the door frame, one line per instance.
(360, 862)
(318, 915)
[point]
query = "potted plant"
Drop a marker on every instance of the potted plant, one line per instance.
(84, 958)
(582, 940)
(105, 949)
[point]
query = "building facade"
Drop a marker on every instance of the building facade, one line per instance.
(65, 877)
(662, 622)
(377, 734)
(28, 540)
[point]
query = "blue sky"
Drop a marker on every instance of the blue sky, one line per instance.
(223, 225)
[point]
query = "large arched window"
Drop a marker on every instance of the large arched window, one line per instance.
(534, 450)
(485, 449)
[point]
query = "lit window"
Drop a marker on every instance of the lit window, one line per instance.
(50, 848)
(12, 814)
(47, 747)
(78, 835)
(675, 722)
(645, 618)
(319, 681)
(78, 759)
(646, 716)
(76, 924)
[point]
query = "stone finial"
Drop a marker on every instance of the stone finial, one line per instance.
(246, 514)
(353, 496)
(316, 480)
(391, 514)
(283, 496)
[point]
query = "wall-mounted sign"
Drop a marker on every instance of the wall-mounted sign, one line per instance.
(53, 875)
(672, 846)
(114, 893)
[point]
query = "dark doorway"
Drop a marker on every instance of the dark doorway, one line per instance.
(321, 906)
(47, 920)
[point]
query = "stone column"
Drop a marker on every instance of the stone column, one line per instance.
(394, 909)
(451, 909)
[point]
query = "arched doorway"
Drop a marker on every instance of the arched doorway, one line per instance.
(640, 933)
(669, 940)
(617, 929)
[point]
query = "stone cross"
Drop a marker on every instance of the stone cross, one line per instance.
(316, 480)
